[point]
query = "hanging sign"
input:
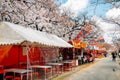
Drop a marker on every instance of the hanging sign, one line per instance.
(92, 42)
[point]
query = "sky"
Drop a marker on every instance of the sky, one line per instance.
(92, 10)
(75, 5)
(89, 6)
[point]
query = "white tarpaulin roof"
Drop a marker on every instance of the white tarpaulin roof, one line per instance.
(15, 34)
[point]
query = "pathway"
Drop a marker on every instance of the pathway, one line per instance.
(102, 70)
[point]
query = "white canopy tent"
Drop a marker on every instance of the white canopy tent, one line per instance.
(15, 34)
(12, 34)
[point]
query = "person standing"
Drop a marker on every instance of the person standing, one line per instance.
(60, 57)
(114, 56)
(119, 53)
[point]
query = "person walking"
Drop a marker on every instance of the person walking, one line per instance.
(114, 56)
(119, 53)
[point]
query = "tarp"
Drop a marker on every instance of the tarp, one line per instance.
(15, 34)
(11, 56)
(4, 51)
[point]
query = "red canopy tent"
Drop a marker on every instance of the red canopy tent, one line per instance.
(15, 40)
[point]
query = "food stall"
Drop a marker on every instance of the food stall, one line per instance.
(22, 47)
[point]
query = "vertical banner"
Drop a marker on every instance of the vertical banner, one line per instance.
(85, 30)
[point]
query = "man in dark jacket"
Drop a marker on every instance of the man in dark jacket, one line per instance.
(114, 56)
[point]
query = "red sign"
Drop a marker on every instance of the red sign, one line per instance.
(92, 42)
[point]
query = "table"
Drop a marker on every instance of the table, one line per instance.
(69, 63)
(20, 71)
(44, 67)
(57, 65)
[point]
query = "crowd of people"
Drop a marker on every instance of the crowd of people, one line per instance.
(85, 58)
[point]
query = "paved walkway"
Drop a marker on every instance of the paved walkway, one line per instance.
(102, 70)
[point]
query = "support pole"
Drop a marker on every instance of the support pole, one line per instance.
(27, 47)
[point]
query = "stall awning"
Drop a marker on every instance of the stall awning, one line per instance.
(15, 34)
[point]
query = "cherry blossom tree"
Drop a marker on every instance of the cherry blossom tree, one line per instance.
(42, 15)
